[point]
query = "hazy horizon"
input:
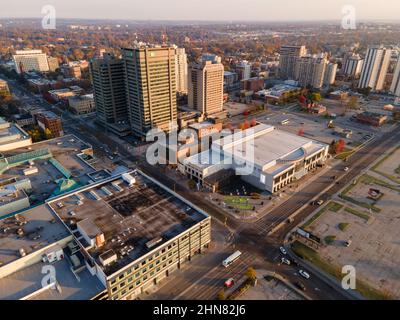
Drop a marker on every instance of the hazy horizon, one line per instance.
(205, 10)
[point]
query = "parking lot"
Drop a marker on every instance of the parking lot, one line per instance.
(371, 230)
(316, 127)
(270, 289)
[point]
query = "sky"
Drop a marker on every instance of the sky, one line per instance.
(206, 10)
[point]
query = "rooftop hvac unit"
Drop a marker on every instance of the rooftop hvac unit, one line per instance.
(152, 243)
(94, 195)
(117, 187)
(108, 257)
(128, 179)
(100, 240)
(106, 191)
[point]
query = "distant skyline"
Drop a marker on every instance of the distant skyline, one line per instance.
(205, 10)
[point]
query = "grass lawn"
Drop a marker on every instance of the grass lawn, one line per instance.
(347, 152)
(330, 239)
(389, 176)
(241, 203)
(361, 215)
(312, 256)
(343, 226)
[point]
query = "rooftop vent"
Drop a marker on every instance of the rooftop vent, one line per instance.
(108, 257)
(152, 243)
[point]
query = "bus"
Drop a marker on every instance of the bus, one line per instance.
(231, 259)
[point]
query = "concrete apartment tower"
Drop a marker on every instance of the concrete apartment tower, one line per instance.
(206, 85)
(352, 65)
(395, 87)
(287, 60)
(30, 60)
(310, 70)
(375, 67)
(151, 88)
(330, 74)
(181, 70)
(108, 77)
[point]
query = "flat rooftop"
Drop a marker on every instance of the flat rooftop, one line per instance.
(128, 216)
(28, 280)
(201, 125)
(264, 144)
(42, 228)
(261, 145)
(11, 133)
(60, 159)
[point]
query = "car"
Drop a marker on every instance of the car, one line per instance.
(347, 243)
(300, 286)
(346, 169)
(229, 283)
(320, 202)
(282, 250)
(285, 261)
(72, 213)
(304, 274)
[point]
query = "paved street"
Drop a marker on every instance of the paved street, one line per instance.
(255, 239)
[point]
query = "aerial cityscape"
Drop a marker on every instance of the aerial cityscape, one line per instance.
(178, 155)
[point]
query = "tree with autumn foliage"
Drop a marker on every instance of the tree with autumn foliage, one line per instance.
(340, 145)
(245, 125)
(302, 100)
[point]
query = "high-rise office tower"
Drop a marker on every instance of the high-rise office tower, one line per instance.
(310, 70)
(375, 67)
(30, 60)
(181, 70)
(287, 60)
(395, 87)
(330, 74)
(108, 79)
(151, 88)
(352, 65)
(206, 85)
